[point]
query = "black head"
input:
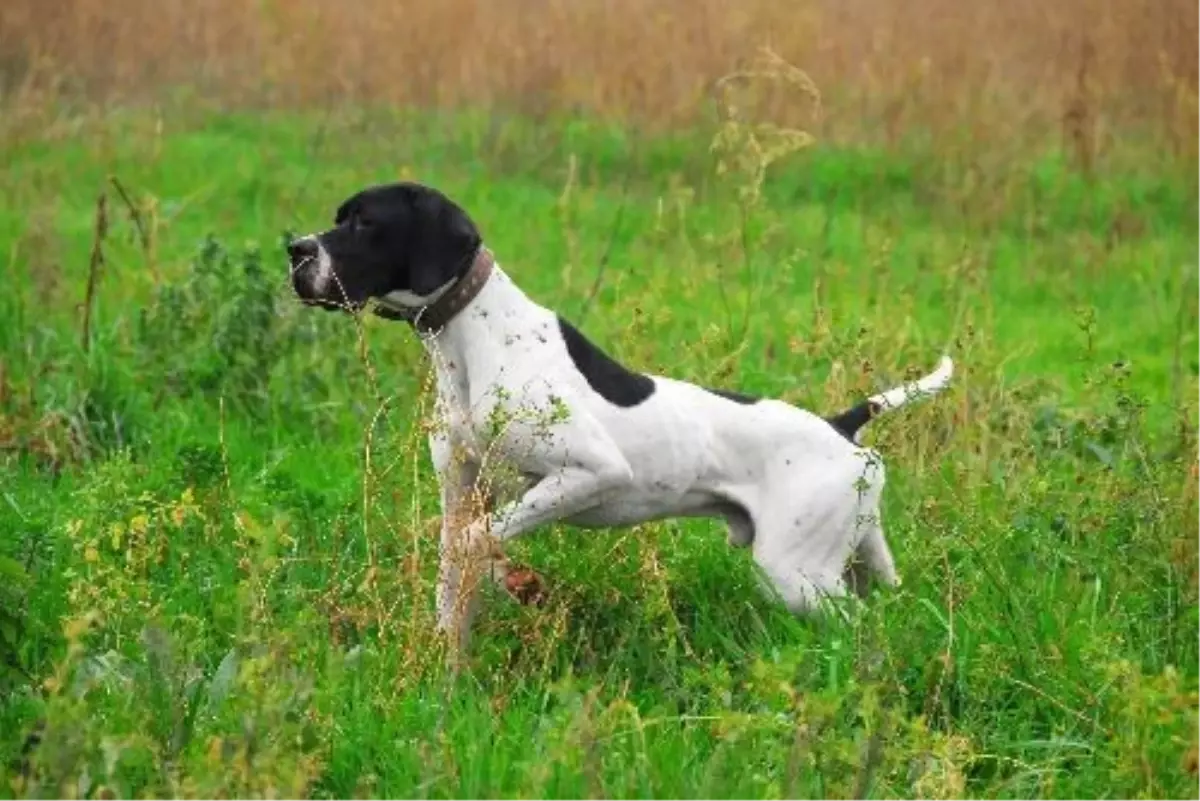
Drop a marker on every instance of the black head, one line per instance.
(403, 241)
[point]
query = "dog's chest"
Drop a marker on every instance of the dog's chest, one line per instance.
(453, 412)
(489, 379)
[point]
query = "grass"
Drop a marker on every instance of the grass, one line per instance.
(210, 589)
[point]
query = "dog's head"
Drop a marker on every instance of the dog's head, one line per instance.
(403, 242)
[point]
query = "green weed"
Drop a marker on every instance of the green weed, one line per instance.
(218, 523)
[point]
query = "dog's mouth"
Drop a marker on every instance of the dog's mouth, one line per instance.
(311, 290)
(329, 303)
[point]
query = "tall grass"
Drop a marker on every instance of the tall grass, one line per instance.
(218, 523)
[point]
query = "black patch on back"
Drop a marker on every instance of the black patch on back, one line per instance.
(736, 397)
(615, 383)
(850, 421)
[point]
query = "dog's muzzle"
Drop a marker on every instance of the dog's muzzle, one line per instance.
(302, 261)
(312, 273)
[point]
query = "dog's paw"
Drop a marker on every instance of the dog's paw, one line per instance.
(525, 585)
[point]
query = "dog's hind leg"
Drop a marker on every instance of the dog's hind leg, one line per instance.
(802, 584)
(872, 560)
(877, 557)
(739, 526)
(802, 592)
(802, 547)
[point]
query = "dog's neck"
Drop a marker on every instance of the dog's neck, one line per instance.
(448, 302)
(500, 313)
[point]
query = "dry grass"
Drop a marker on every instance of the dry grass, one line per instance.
(971, 72)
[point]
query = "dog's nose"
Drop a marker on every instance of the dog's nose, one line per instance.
(301, 249)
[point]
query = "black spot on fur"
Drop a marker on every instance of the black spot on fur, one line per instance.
(850, 421)
(616, 384)
(736, 397)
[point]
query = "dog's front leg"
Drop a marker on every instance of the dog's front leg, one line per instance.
(580, 466)
(560, 495)
(460, 552)
(469, 552)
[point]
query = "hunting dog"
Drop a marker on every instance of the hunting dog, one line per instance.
(593, 443)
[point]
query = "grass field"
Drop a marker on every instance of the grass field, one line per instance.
(218, 523)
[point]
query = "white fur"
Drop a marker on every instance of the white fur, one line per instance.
(404, 300)
(793, 489)
(931, 384)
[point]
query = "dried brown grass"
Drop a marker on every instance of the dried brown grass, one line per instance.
(977, 71)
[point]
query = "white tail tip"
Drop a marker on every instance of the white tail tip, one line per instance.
(930, 384)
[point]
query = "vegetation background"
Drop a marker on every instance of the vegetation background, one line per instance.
(216, 516)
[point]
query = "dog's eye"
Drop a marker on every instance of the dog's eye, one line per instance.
(359, 223)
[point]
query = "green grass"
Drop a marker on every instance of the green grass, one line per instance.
(207, 589)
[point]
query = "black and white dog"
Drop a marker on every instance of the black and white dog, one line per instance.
(595, 443)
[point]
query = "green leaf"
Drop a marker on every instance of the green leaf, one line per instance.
(11, 571)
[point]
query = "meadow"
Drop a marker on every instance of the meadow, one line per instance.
(217, 518)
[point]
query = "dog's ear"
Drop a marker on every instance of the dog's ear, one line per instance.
(445, 241)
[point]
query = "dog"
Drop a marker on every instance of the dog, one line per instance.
(593, 443)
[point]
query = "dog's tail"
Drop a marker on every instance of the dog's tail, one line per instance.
(851, 422)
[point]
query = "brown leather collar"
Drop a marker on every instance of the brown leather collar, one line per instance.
(435, 316)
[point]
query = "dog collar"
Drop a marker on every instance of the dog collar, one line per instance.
(433, 317)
